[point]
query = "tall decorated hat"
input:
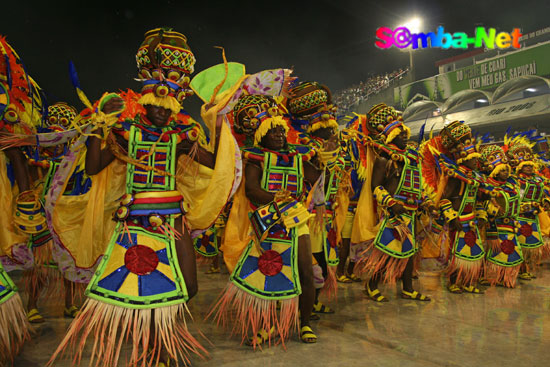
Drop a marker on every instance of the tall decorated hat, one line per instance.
(519, 149)
(60, 116)
(457, 138)
(493, 160)
(311, 107)
(254, 115)
(164, 62)
(385, 123)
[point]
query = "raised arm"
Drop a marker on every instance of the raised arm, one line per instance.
(20, 168)
(96, 158)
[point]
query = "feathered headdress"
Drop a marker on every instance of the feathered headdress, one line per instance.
(21, 103)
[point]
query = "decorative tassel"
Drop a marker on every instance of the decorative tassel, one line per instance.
(330, 289)
(502, 275)
(251, 314)
(374, 262)
(110, 325)
(14, 328)
(467, 272)
(169, 103)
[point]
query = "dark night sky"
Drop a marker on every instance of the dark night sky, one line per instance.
(327, 41)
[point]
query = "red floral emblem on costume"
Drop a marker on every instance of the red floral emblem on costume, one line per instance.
(141, 260)
(470, 238)
(270, 263)
(507, 247)
(526, 230)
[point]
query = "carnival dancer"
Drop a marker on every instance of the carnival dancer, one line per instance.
(504, 255)
(449, 167)
(18, 101)
(396, 183)
(44, 162)
(533, 201)
(169, 179)
(271, 290)
(312, 113)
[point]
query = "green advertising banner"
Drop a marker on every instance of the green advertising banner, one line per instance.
(487, 75)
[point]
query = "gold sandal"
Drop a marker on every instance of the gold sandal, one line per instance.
(375, 295)
(414, 295)
(34, 316)
(307, 335)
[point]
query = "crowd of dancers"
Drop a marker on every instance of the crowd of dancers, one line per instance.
(125, 195)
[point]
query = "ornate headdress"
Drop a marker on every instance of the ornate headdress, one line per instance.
(494, 159)
(519, 149)
(457, 138)
(60, 115)
(385, 123)
(311, 102)
(165, 62)
(20, 98)
(254, 115)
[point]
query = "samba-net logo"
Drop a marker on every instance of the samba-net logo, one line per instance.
(402, 38)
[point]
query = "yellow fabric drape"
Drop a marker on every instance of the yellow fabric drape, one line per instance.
(544, 220)
(342, 199)
(365, 222)
(237, 231)
(9, 236)
(208, 190)
(84, 222)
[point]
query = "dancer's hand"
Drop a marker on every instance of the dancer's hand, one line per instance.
(455, 223)
(113, 105)
(398, 209)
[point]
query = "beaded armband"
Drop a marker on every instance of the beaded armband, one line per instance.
(481, 213)
(448, 211)
(383, 197)
(492, 209)
(29, 215)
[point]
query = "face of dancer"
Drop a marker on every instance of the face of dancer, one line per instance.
(528, 169)
(275, 139)
(324, 133)
(158, 116)
(471, 163)
(400, 140)
(503, 175)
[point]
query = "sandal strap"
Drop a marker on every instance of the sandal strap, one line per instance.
(307, 333)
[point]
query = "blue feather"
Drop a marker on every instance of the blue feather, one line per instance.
(73, 75)
(421, 133)
(8, 70)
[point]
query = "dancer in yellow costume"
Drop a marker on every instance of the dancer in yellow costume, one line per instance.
(18, 99)
(534, 201)
(267, 245)
(313, 115)
(396, 184)
(155, 172)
